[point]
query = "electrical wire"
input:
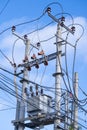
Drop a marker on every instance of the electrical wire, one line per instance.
(3, 104)
(8, 98)
(8, 80)
(36, 76)
(66, 62)
(7, 109)
(76, 24)
(6, 57)
(81, 101)
(29, 80)
(3, 9)
(20, 24)
(35, 105)
(13, 50)
(43, 75)
(53, 3)
(6, 70)
(9, 72)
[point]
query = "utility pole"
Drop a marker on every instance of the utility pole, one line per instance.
(66, 110)
(58, 78)
(24, 83)
(18, 101)
(76, 101)
(45, 118)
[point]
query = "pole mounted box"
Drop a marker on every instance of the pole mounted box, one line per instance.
(39, 104)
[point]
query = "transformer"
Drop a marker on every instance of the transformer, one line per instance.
(39, 104)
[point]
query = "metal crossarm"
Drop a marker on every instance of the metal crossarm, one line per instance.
(41, 60)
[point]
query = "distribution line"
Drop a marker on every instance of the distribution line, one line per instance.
(3, 9)
(56, 110)
(22, 78)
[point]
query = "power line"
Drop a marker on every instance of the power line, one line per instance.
(3, 9)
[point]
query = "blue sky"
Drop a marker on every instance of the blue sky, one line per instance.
(19, 11)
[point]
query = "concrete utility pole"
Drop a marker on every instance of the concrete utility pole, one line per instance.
(76, 101)
(18, 101)
(24, 85)
(66, 110)
(58, 77)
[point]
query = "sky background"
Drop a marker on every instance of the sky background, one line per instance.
(19, 11)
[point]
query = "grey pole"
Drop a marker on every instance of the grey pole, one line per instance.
(58, 78)
(24, 86)
(66, 111)
(76, 101)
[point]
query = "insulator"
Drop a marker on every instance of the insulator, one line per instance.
(36, 93)
(41, 91)
(33, 57)
(37, 65)
(36, 87)
(41, 52)
(30, 88)
(48, 10)
(19, 65)
(25, 37)
(73, 29)
(26, 91)
(63, 19)
(32, 94)
(38, 44)
(13, 28)
(29, 68)
(45, 62)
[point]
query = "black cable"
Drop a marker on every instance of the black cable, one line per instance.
(31, 104)
(21, 77)
(8, 98)
(34, 83)
(8, 80)
(20, 24)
